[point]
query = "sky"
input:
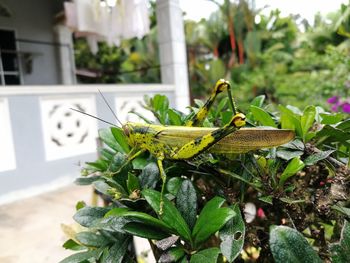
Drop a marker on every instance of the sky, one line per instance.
(196, 9)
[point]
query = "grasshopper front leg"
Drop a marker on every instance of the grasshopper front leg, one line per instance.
(200, 144)
(220, 86)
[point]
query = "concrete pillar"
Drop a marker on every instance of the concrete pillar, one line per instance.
(66, 54)
(172, 49)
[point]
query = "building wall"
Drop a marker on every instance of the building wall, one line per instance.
(33, 21)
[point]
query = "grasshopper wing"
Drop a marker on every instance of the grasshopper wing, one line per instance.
(241, 141)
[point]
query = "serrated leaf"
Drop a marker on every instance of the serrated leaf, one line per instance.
(294, 166)
(314, 158)
(211, 219)
(209, 255)
(289, 246)
(186, 202)
(262, 116)
(88, 215)
(232, 236)
(121, 139)
(149, 176)
(341, 251)
(170, 216)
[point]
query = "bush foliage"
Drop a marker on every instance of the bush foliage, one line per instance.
(299, 193)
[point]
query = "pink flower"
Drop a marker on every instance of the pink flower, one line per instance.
(346, 107)
(335, 107)
(333, 100)
(261, 213)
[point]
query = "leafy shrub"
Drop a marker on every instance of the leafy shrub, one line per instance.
(300, 191)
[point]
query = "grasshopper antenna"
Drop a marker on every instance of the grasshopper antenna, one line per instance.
(110, 108)
(97, 118)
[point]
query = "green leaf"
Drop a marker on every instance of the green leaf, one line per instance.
(341, 251)
(72, 245)
(174, 117)
(121, 139)
(171, 216)
(102, 187)
(173, 185)
(343, 210)
(118, 250)
(332, 134)
(174, 254)
(232, 236)
(331, 118)
(79, 205)
(312, 159)
(211, 219)
(290, 120)
(91, 239)
(149, 176)
(294, 166)
(88, 215)
(258, 101)
(186, 202)
(289, 246)
(307, 119)
(108, 138)
(209, 255)
(82, 257)
(86, 180)
(106, 153)
(288, 154)
(132, 183)
(139, 217)
(266, 199)
(262, 116)
(295, 145)
(345, 125)
(98, 165)
(145, 231)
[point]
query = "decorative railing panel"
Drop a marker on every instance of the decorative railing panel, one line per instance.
(43, 142)
(7, 152)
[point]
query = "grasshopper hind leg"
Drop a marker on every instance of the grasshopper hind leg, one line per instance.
(163, 177)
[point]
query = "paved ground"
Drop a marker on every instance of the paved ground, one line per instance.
(30, 229)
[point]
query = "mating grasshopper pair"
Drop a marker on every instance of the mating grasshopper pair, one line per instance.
(186, 142)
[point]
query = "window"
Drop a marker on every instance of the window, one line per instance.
(9, 63)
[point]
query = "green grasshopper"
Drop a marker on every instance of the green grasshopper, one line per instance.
(187, 142)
